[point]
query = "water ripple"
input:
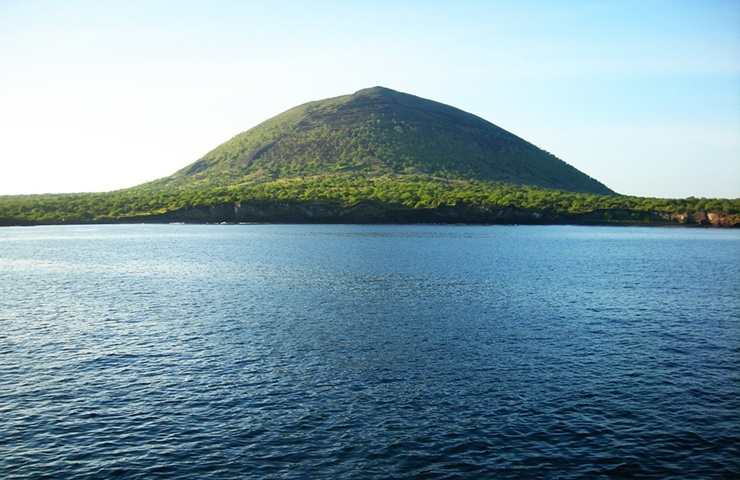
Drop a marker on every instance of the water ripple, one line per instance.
(257, 351)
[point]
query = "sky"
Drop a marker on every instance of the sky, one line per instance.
(642, 95)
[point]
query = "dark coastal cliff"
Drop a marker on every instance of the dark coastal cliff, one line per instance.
(377, 213)
(373, 212)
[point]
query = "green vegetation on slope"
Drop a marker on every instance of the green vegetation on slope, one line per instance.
(412, 191)
(379, 131)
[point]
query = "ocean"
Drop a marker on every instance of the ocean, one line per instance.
(358, 351)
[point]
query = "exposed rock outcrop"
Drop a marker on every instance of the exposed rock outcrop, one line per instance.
(373, 212)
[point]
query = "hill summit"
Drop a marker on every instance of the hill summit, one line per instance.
(379, 131)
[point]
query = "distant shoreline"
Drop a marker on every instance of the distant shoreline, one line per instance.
(374, 213)
(460, 224)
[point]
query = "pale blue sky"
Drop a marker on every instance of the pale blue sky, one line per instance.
(643, 95)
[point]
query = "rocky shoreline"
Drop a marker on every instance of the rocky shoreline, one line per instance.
(376, 213)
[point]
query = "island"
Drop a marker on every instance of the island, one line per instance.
(375, 156)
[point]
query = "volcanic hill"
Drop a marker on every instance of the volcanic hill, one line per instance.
(379, 131)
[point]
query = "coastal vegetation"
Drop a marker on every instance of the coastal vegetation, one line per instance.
(411, 192)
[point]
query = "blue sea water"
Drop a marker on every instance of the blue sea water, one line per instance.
(341, 351)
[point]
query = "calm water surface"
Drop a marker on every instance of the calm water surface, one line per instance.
(183, 351)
